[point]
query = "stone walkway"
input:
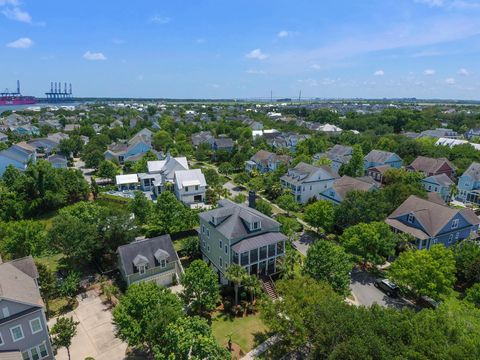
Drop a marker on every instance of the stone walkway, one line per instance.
(260, 349)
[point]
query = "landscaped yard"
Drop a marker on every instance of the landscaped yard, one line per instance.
(247, 332)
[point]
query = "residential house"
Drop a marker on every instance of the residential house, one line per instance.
(131, 150)
(433, 166)
(440, 184)
(440, 133)
(327, 128)
(342, 186)
(58, 161)
(287, 141)
(222, 143)
(3, 137)
(44, 145)
(161, 172)
(307, 181)
(23, 326)
(238, 234)
(379, 158)
(472, 133)
(190, 186)
(26, 130)
(153, 259)
(430, 223)
(18, 155)
(203, 137)
(265, 161)
(71, 127)
(469, 185)
(338, 154)
(127, 182)
(377, 173)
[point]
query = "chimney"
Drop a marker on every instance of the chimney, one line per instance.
(252, 199)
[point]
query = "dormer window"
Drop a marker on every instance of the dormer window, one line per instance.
(256, 225)
(455, 224)
(411, 218)
(141, 269)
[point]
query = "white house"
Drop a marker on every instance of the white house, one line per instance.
(190, 186)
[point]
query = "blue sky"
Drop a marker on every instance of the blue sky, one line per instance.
(243, 48)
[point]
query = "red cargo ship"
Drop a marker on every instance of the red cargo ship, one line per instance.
(8, 98)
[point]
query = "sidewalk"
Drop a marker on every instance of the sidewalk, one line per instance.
(260, 349)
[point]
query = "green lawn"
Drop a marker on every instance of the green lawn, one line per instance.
(50, 261)
(247, 332)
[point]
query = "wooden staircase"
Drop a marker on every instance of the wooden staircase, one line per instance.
(269, 287)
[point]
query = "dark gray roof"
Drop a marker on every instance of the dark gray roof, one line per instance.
(378, 156)
(440, 179)
(231, 219)
(258, 241)
(26, 265)
(223, 142)
(145, 248)
(304, 172)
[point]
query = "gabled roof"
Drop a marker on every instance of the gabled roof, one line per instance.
(346, 184)
(145, 249)
(440, 179)
(17, 283)
(223, 142)
(232, 219)
(126, 179)
(378, 156)
(168, 165)
(304, 172)
(255, 242)
(432, 216)
(340, 150)
(473, 171)
(429, 165)
(193, 177)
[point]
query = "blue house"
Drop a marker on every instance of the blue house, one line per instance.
(18, 155)
(431, 223)
(341, 187)
(469, 185)
(439, 184)
(131, 150)
(381, 158)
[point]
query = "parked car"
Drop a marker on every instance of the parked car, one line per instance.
(427, 302)
(387, 286)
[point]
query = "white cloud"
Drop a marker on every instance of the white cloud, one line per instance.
(256, 54)
(22, 43)
(9, 2)
(94, 56)
(432, 3)
(379, 73)
(283, 34)
(450, 81)
(429, 72)
(463, 72)
(316, 67)
(18, 15)
(158, 19)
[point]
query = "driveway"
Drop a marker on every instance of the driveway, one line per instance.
(365, 292)
(235, 189)
(80, 165)
(304, 242)
(95, 332)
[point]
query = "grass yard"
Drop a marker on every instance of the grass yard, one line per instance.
(50, 261)
(247, 332)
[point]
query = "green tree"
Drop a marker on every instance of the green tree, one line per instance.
(473, 294)
(144, 313)
(467, 260)
(162, 141)
(107, 169)
(287, 202)
(355, 167)
(320, 215)
(191, 246)
(329, 262)
(48, 284)
(373, 242)
(425, 272)
(287, 264)
(236, 274)
(23, 238)
(189, 338)
(264, 207)
(63, 331)
(201, 289)
(70, 285)
(141, 207)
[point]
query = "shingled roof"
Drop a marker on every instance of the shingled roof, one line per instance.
(346, 184)
(473, 171)
(429, 165)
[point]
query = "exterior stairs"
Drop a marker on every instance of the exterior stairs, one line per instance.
(269, 287)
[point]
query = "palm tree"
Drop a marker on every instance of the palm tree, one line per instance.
(287, 264)
(236, 274)
(252, 285)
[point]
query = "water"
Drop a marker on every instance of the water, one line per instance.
(38, 105)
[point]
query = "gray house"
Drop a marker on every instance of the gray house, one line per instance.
(339, 155)
(23, 326)
(238, 234)
(153, 259)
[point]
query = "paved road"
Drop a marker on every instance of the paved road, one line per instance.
(80, 165)
(367, 294)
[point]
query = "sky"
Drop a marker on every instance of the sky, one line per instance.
(243, 48)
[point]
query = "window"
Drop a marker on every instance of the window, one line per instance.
(186, 188)
(36, 325)
(221, 261)
(5, 312)
(141, 269)
(1, 340)
(17, 333)
(203, 229)
(220, 244)
(280, 248)
(208, 248)
(204, 243)
(436, 189)
(457, 235)
(43, 350)
(35, 353)
(234, 257)
(196, 187)
(310, 187)
(208, 233)
(455, 224)
(253, 256)
(226, 249)
(163, 263)
(411, 218)
(271, 250)
(450, 238)
(244, 258)
(263, 252)
(429, 187)
(255, 225)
